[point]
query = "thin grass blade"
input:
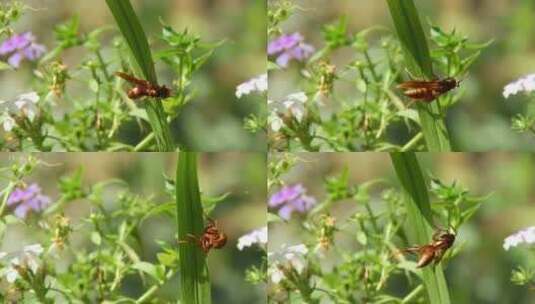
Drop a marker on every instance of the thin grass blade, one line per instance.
(130, 27)
(412, 37)
(194, 279)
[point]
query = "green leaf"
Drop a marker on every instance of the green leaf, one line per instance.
(413, 182)
(167, 259)
(209, 203)
(420, 220)
(95, 238)
(413, 40)
(128, 23)
(150, 269)
(412, 37)
(194, 280)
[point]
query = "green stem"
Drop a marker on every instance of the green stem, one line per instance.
(413, 142)
(371, 66)
(144, 143)
(104, 69)
(150, 293)
(160, 127)
(412, 296)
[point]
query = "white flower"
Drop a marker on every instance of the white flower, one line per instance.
(36, 249)
(295, 104)
(7, 122)
(287, 257)
(24, 105)
(524, 84)
(275, 122)
(258, 236)
(276, 275)
(28, 257)
(526, 236)
(258, 84)
(11, 272)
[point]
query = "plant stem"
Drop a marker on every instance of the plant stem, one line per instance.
(412, 143)
(144, 143)
(149, 293)
(411, 297)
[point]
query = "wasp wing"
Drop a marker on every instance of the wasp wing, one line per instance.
(416, 84)
(133, 79)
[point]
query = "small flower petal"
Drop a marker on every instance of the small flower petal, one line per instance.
(287, 256)
(15, 59)
(275, 122)
(11, 275)
(524, 84)
(26, 199)
(258, 84)
(36, 249)
(525, 236)
(258, 236)
(8, 123)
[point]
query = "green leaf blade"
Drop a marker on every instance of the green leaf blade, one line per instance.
(130, 27)
(414, 43)
(420, 220)
(194, 280)
(412, 37)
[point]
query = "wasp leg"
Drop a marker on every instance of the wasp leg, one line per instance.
(438, 233)
(413, 250)
(210, 220)
(189, 238)
(438, 256)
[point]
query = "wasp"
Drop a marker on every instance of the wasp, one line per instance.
(428, 91)
(144, 88)
(442, 241)
(211, 238)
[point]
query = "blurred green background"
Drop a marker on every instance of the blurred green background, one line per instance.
(481, 120)
(243, 175)
(481, 272)
(213, 121)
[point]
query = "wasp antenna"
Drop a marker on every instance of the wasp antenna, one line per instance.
(409, 72)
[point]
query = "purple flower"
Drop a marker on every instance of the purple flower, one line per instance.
(26, 199)
(289, 46)
(18, 47)
(290, 199)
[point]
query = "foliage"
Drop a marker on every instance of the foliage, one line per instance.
(355, 256)
(95, 118)
(372, 115)
(101, 254)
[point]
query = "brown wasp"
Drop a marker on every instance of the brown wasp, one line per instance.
(143, 88)
(210, 238)
(428, 91)
(442, 241)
